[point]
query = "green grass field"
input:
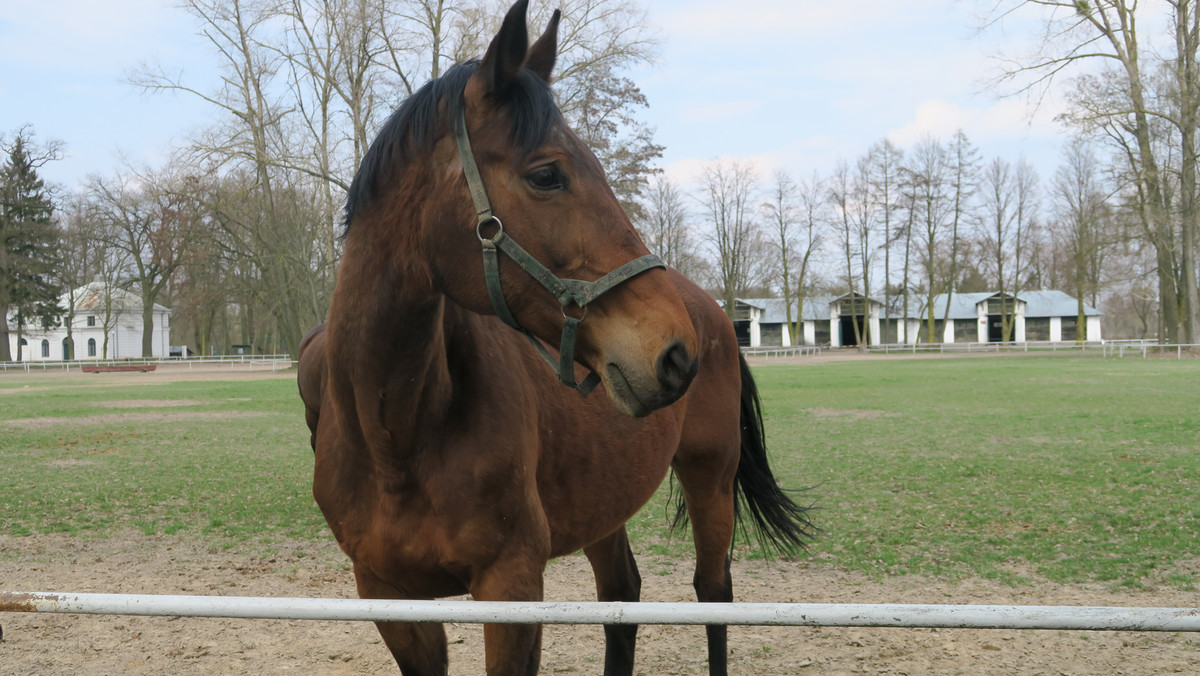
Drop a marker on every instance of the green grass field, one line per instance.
(1072, 469)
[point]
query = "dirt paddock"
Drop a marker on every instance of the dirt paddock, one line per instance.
(61, 645)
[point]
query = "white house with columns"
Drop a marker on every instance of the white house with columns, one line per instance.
(99, 311)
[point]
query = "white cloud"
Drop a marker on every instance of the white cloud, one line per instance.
(937, 118)
(685, 172)
(1012, 118)
(800, 157)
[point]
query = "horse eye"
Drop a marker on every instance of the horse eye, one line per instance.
(546, 178)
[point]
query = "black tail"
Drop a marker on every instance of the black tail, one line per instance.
(779, 523)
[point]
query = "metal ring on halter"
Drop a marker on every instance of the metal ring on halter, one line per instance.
(581, 317)
(481, 223)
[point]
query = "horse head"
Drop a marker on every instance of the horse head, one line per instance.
(505, 171)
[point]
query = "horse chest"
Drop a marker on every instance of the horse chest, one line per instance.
(593, 479)
(437, 523)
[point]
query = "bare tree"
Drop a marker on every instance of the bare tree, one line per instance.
(1008, 204)
(728, 194)
(781, 212)
(963, 162)
(886, 162)
(814, 220)
(150, 223)
(80, 243)
(275, 235)
(107, 265)
(1080, 202)
(664, 225)
(929, 176)
(1120, 103)
(849, 196)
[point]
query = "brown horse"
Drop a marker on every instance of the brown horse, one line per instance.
(449, 458)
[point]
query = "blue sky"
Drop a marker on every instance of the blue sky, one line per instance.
(793, 84)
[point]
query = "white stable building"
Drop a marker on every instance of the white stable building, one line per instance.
(971, 318)
(99, 310)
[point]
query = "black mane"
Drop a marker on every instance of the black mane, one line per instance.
(411, 130)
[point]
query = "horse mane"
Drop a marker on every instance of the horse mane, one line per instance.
(411, 131)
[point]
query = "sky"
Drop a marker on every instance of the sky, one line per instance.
(785, 84)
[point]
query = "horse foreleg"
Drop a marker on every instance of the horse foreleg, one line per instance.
(511, 649)
(709, 496)
(418, 648)
(617, 579)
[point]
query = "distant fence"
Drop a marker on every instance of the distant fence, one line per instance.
(1083, 618)
(1108, 348)
(273, 362)
(790, 351)
(953, 348)
(1147, 348)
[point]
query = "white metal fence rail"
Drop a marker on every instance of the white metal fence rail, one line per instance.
(271, 361)
(789, 351)
(1109, 348)
(1083, 618)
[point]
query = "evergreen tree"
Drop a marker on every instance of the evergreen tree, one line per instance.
(28, 243)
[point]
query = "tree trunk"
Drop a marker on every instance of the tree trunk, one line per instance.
(5, 350)
(147, 324)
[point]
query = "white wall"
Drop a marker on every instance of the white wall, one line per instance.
(124, 340)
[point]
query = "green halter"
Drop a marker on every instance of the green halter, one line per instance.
(568, 291)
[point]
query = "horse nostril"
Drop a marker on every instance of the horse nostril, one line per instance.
(676, 368)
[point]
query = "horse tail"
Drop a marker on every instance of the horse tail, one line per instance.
(778, 522)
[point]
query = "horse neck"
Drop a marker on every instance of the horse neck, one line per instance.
(388, 359)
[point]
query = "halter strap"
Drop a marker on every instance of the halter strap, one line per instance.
(568, 291)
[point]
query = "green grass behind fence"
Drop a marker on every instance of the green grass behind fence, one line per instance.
(225, 459)
(1072, 469)
(1005, 467)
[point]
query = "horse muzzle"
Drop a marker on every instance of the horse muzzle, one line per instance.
(639, 393)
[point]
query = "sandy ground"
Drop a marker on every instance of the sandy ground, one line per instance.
(12, 381)
(54, 645)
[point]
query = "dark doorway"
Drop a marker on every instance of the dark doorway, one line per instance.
(996, 328)
(847, 329)
(742, 329)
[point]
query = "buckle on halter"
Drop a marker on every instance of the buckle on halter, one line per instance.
(484, 221)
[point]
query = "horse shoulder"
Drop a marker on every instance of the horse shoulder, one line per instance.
(714, 331)
(712, 420)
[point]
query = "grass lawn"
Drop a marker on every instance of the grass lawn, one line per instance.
(222, 459)
(1077, 469)
(1074, 469)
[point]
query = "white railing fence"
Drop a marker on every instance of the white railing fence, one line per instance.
(273, 362)
(1107, 348)
(789, 351)
(1083, 618)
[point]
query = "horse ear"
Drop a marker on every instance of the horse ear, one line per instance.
(506, 54)
(544, 51)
